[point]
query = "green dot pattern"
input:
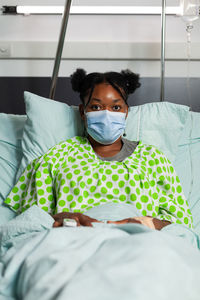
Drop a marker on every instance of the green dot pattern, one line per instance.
(71, 177)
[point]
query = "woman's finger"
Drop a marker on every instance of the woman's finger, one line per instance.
(96, 221)
(93, 220)
(118, 222)
(77, 221)
(132, 220)
(125, 221)
(88, 223)
(58, 223)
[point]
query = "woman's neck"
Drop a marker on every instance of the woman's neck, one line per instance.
(106, 150)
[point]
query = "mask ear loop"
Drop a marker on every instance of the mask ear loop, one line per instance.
(85, 130)
(124, 134)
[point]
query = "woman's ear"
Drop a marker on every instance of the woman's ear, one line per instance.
(81, 111)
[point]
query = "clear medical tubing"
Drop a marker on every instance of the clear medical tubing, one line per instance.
(60, 48)
(189, 28)
(190, 14)
(163, 34)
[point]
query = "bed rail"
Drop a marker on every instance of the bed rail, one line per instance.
(60, 48)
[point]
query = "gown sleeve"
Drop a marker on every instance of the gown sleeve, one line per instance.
(36, 184)
(172, 204)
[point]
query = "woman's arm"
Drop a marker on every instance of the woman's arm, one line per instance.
(82, 220)
(148, 221)
(172, 204)
(36, 184)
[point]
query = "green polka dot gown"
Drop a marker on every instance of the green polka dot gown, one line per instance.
(70, 177)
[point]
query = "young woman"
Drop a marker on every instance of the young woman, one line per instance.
(103, 166)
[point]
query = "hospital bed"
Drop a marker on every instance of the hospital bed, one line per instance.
(105, 262)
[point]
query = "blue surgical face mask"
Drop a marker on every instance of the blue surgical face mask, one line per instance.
(105, 126)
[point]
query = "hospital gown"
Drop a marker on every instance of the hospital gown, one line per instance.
(70, 177)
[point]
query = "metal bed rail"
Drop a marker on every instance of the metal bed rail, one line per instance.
(60, 48)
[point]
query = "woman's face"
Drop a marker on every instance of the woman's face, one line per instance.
(104, 97)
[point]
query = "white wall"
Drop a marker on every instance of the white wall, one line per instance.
(96, 42)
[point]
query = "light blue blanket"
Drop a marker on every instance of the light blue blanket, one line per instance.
(105, 262)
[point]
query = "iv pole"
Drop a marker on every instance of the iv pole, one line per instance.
(60, 48)
(163, 33)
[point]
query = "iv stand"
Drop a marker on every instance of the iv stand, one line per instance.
(60, 49)
(163, 34)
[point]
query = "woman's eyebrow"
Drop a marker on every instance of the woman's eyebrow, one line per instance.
(117, 100)
(95, 99)
(99, 100)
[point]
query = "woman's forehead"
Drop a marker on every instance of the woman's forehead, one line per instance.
(105, 91)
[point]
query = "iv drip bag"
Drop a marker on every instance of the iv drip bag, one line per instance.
(189, 10)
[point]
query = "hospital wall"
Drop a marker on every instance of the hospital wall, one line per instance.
(96, 43)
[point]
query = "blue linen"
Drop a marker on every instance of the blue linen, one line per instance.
(104, 262)
(11, 128)
(187, 165)
(159, 124)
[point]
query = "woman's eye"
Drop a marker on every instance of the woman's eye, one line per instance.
(95, 107)
(116, 107)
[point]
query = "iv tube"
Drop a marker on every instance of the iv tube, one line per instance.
(190, 14)
(189, 28)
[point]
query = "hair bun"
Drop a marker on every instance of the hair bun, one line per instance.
(132, 80)
(77, 79)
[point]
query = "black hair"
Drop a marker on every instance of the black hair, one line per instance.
(125, 82)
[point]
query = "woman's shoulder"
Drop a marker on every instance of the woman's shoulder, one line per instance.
(73, 140)
(65, 145)
(150, 149)
(58, 151)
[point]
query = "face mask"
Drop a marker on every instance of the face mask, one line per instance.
(105, 126)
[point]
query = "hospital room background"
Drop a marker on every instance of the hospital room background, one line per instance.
(100, 42)
(42, 42)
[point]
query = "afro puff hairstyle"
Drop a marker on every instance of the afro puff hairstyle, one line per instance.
(125, 82)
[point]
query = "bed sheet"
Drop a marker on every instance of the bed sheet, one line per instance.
(11, 130)
(187, 165)
(103, 262)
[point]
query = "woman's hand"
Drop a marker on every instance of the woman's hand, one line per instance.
(148, 221)
(81, 219)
